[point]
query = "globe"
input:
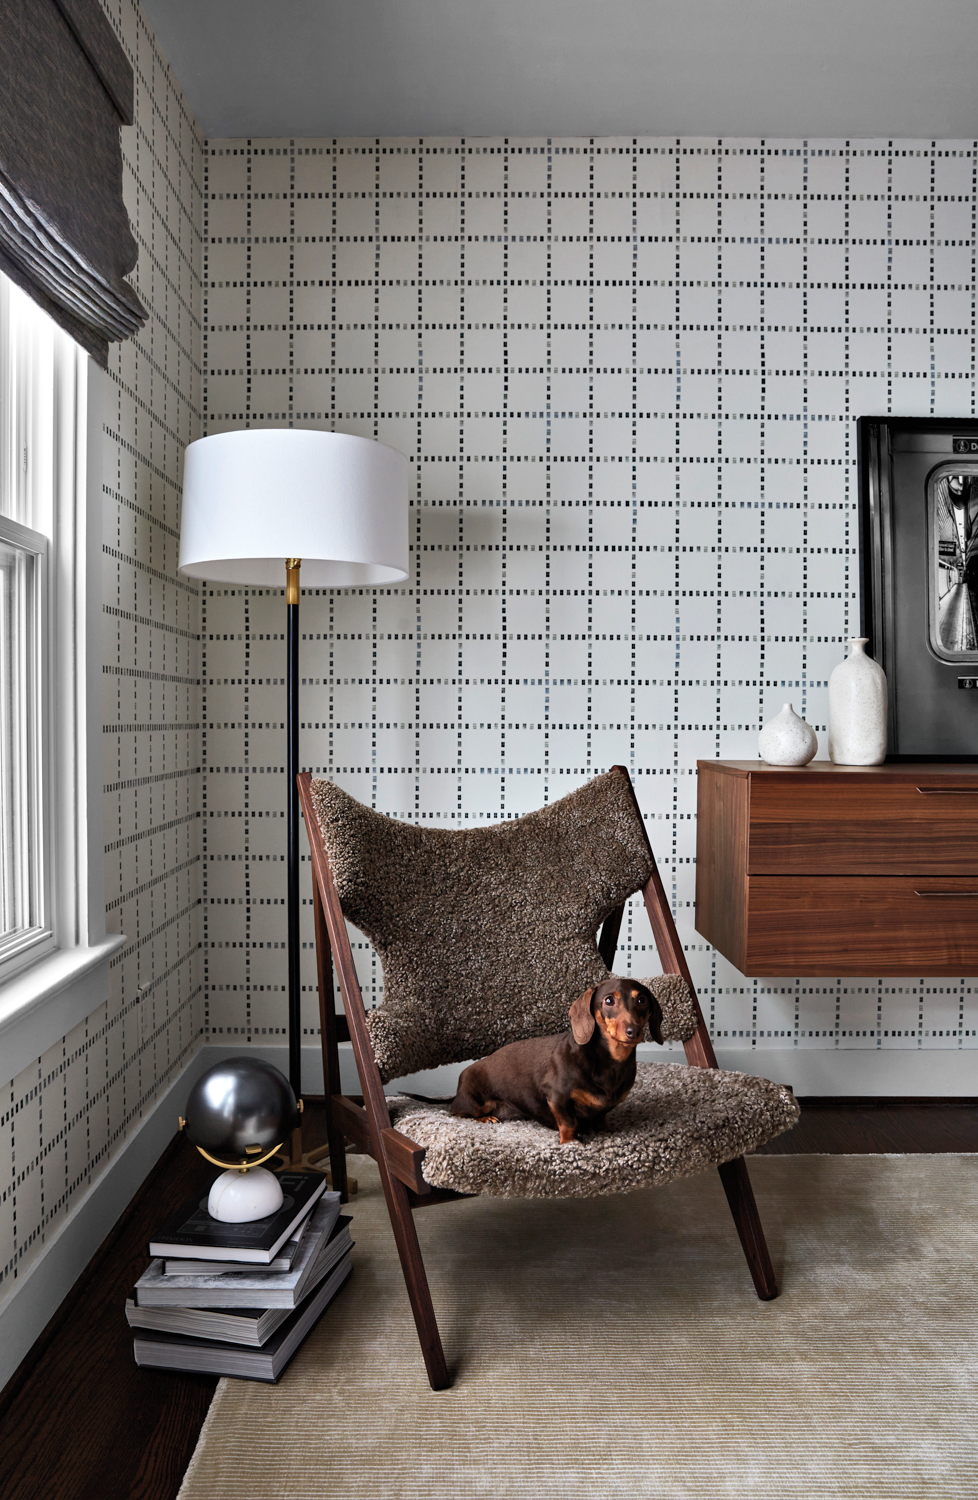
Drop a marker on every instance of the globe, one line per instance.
(240, 1111)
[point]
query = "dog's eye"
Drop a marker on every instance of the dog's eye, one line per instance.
(609, 999)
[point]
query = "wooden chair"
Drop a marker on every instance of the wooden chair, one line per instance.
(486, 935)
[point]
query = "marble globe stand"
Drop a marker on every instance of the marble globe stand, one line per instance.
(241, 1197)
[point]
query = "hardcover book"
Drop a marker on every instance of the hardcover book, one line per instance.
(284, 1260)
(171, 1351)
(193, 1233)
(324, 1246)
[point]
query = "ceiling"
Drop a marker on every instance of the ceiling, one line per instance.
(797, 68)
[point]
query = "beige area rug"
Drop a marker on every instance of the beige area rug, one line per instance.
(613, 1348)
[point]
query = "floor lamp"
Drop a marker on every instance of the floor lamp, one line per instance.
(265, 500)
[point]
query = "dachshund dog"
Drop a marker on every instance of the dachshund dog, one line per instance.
(567, 1081)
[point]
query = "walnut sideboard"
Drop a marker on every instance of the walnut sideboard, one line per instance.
(839, 870)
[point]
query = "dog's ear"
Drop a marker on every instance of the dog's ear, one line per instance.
(655, 1019)
(582, 1021)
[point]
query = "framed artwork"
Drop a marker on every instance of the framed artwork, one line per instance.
(918, 538)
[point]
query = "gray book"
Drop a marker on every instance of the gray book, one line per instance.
(323, 1246)
(171, 1351)
(251, 1326)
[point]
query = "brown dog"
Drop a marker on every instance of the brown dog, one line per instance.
(570, 1080)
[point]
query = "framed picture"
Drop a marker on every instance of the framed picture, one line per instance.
(918, 535)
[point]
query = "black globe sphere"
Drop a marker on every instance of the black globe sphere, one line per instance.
(239, 1111)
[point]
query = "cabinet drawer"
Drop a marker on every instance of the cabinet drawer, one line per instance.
(842, 925)
(913, 826)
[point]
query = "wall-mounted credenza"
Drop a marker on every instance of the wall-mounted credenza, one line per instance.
(839, 870)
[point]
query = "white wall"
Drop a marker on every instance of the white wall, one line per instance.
(70, 1112)
(627, 374)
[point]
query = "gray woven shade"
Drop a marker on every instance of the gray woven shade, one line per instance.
(66, 87)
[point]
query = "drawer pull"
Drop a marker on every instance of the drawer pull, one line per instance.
(947, 895)
(948, 791)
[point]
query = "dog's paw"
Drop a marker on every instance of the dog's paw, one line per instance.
(488, 1119)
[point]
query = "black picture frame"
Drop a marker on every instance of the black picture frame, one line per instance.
(919, 576)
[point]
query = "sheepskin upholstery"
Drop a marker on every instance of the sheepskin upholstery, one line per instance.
(674, 1122)
(485, 935)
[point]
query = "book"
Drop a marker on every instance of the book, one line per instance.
(252, 1326)
(172, 1351)
(234, 1289)
(284, 1260)
(191, 1230)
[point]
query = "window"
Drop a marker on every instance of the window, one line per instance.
(24, 907)
(52, 917)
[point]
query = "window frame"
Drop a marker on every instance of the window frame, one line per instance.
(62, 976)
(26, 944)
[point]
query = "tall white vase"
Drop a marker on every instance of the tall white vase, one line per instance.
(857, 709)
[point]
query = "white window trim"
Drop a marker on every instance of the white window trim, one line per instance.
(24, 946)
(44, 1000)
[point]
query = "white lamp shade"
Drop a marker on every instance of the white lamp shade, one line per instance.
(252, 499)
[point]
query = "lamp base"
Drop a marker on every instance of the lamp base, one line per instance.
(241, 1197)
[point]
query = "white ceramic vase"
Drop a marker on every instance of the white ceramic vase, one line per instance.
(787, 740)
(857, 709)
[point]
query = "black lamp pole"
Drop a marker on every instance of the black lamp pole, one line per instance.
(292, 565)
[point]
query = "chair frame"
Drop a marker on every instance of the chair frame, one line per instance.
(367, 1124)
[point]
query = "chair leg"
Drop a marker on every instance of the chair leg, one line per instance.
(415, 1279)
(740, 1196)
(339, 1181)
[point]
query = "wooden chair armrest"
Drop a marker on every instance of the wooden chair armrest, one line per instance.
(404, 1157)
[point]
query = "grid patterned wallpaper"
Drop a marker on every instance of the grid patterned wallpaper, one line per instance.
(626, 373)
(67, 1115)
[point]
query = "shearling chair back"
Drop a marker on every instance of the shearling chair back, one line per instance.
(485, 934)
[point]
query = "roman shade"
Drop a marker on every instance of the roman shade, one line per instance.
(66, 87)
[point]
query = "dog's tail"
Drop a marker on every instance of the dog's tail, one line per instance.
(427, 1099)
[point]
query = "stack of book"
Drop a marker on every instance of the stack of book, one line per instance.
(238, 1299)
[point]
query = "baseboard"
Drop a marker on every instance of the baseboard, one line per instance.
(858, 1072)
(36, 1295)
(861, 1073)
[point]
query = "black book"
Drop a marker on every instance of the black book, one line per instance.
(193, 1233)
(171, 1351)
(284, 1259)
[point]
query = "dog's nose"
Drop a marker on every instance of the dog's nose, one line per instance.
(631, 1031)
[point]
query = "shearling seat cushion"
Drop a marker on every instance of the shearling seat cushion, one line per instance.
(675, 1121)
(485, 935)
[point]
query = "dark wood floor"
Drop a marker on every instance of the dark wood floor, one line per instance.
(80, 1422)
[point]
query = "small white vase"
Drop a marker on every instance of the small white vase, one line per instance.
(857, 709)
(787, 740)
